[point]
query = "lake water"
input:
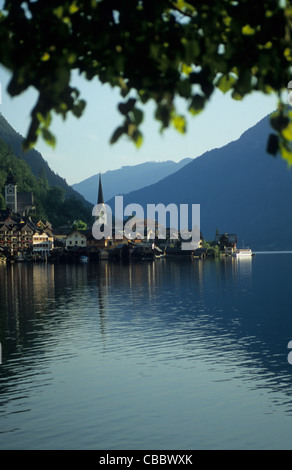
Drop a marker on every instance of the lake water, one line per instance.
(158, 355)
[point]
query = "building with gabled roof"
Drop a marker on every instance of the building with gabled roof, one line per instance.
(226, 241)
(76, 239)
(20, 234)
(18, 202)
(11, 192)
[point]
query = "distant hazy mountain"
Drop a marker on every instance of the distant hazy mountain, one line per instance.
(35, 160)
(127, 178)
(241, 189)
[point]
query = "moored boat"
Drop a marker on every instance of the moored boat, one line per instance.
(243, 252)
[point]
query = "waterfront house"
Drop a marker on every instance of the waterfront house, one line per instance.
(95, 246)
(21, 235)
(226, 242)
(42, 242)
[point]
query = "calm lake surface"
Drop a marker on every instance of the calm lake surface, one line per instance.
(156, 355)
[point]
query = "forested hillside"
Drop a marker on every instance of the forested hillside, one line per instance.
(50, 200)
(35, 160)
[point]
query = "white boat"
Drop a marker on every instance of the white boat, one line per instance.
(243, 252)
(83, 259)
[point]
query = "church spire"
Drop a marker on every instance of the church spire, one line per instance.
(10, 178)
(101, 216)
(100, 199)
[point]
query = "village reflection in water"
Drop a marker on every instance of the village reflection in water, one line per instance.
(183, 328)
(30, 291)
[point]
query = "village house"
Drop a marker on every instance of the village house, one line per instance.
(76, 239)
(21, 235)
(43, 241)
(18, 233)
(226, 242)
(94, 246)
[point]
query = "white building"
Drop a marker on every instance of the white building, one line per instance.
(76, 239)
(42, 242)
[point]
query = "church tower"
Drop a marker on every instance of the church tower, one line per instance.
(11, 192)
(102, 216)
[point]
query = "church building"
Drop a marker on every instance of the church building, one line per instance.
(18, 202)
(11, 193)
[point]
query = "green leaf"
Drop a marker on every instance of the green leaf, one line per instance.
(45, 57)
(197, 104)
(79, 108)
(162, 114)
(247, 30)
(286, 153)
(48, 137)
(278, 121)
(182, 5)
(125, 108)
(226, 82)
(117, 134)
(184, 88)
(287, 132)
(236, 96)
(138, 116)
(58, 12)
(73, 8)
(45, 120)
(186, 69)
(138, 138)
(179, 123)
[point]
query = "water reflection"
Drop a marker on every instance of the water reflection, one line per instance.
(230, 318)
(201, 298)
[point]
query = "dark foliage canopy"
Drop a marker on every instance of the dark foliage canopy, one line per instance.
(151, 51)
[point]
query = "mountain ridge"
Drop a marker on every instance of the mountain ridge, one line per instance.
(240, 187)
(127, 178)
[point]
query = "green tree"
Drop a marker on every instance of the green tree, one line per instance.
(212, 248)
(79, 225)
(2, 202)
(151, 51)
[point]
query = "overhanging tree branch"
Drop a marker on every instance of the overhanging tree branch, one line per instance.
(144, 50)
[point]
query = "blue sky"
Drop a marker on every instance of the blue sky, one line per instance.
(83, 147)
